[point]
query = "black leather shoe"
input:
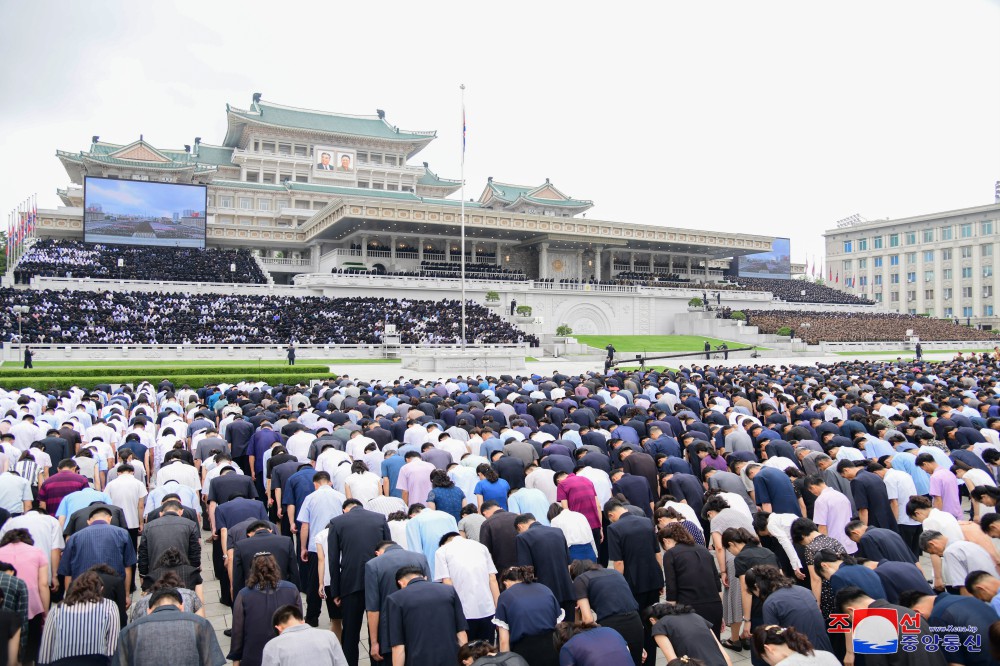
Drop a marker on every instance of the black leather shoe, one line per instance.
(227, 632)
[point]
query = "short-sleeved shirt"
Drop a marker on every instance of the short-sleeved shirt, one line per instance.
(448, 500)
(415, 479)
(597, 646)
(469, 565)
(833, 510)
(944, 484)
(496, 491)
(772, 486)
(125, 493)
(527, 609)
(14, 491)
(607, 592)
(580, 496)
(691, 635)
(27, 561)
(962, 558)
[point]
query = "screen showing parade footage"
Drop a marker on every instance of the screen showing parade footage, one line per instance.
(774, 264)
(136, 212)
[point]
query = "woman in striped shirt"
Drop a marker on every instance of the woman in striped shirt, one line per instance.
(83, 629)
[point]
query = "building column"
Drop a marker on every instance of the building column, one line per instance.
(543, 261)
(689, 266)
(314, 255)
(706, 269)
(597, 262)
(420, 248)
(392, 249)
(670, 263)
(243, 173)
(631, 261)
(447, 250)
(364, 248)
(499, 260)
(579, 265)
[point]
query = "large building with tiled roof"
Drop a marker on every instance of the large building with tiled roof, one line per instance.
(313, 192)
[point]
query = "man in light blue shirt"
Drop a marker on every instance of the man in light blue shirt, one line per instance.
(78, 500)
(873, 447)
(318, 509)
(188, 496)
(530, 500)
(424, 530)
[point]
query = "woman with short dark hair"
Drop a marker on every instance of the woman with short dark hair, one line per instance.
(689, 574)
(83, 629)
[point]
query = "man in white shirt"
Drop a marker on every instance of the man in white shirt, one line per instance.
(298, 445)
(25, 432)
(468, 566)
(356, 445)
(601, 481)
(15, 493)
(128, 493)
(179, 471)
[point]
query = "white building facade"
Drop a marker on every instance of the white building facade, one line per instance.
(941, 265)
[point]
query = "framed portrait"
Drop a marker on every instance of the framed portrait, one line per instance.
(325, 161)
(345, 161)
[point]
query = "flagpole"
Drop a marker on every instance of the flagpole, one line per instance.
(462, 194)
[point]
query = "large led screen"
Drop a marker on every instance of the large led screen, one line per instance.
(774, 264)
(136, 212)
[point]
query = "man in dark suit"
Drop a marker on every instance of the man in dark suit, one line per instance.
(426, 622)
(324, 162)
(56, 447)
(545, 549)
(498, 533)
(380, 582)
(260, 539)
(353, 537)
(171, 530)
(632, 552)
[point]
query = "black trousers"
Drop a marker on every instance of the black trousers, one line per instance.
(645, 600)
(482, 629)
(314, 605)
(353, 608)
(629, 625)
(221, 573)
(911, 535)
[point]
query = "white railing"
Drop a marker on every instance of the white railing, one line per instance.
(249, 353)
(434, 256)
(280, 261)
(947, 345)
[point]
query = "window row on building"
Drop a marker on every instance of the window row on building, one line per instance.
(940, 234)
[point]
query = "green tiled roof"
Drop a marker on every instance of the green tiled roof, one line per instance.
(509, 194)
(452, 202)
(283, 116)
(431, 179)
(215, 155)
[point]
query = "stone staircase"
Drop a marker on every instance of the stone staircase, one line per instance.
(270, 279)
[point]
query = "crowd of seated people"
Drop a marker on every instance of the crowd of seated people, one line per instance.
(71, 258)
(791, 291)
(446, 269)
(860, 326)
(107, 317)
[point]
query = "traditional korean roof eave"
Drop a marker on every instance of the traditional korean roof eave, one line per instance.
(319, 123)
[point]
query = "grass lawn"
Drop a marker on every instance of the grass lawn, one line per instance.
(654, 343)
(201, 363)
(530, 359)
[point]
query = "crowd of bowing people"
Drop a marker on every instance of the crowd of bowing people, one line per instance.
(593, 519)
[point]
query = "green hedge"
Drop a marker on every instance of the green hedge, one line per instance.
(44, 381)
(163, 371)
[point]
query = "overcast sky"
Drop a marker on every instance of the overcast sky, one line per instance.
(772, 117)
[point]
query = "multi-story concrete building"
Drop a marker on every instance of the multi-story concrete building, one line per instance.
(941, 264)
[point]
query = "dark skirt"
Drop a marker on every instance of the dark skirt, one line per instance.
(629, 625)
(537, 650)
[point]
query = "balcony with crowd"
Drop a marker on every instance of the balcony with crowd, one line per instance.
(800, 291)
(110, 317)
(71, 258)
